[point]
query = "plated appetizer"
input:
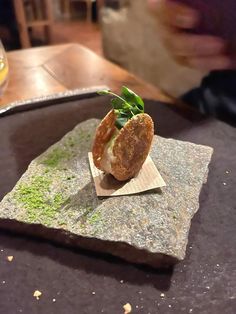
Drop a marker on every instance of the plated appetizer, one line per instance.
(124, 137)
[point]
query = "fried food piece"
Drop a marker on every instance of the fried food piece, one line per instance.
(123, 152)
(104, 133)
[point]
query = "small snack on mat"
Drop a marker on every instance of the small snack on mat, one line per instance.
(37, 294)
(10, 258)
(127, 308)
(124, 137)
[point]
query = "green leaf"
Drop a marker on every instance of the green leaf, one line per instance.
(117, 103)
(132, 98)
(121, 121)
(126, 106)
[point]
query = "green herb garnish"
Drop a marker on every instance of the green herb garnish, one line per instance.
(126, 106)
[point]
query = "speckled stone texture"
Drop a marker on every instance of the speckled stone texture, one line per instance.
(56, 199)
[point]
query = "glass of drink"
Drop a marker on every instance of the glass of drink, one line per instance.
(3, 69)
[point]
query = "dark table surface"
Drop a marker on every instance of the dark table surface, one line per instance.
(75, 281)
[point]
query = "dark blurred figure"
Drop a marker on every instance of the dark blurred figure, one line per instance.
(217, 94)
(8, 25)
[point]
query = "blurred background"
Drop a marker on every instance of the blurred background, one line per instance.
(122, 31)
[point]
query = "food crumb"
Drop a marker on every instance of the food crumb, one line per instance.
(93, 292)
(122, 281)
(169, 305)
(190, 311)
(207, 287)
(217, 265)
(1, 250)
(127, 308)
(10, 258)
(136, 306)
(3, 281)
(224, 183)
(37, 294)
(162, 295)
(227, 171)
(53, 300)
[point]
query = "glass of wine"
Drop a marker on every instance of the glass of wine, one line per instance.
(3, 69)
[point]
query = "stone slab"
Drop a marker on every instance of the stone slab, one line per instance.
(56, 199)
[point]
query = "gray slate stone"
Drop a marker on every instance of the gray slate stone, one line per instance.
(55, 199)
